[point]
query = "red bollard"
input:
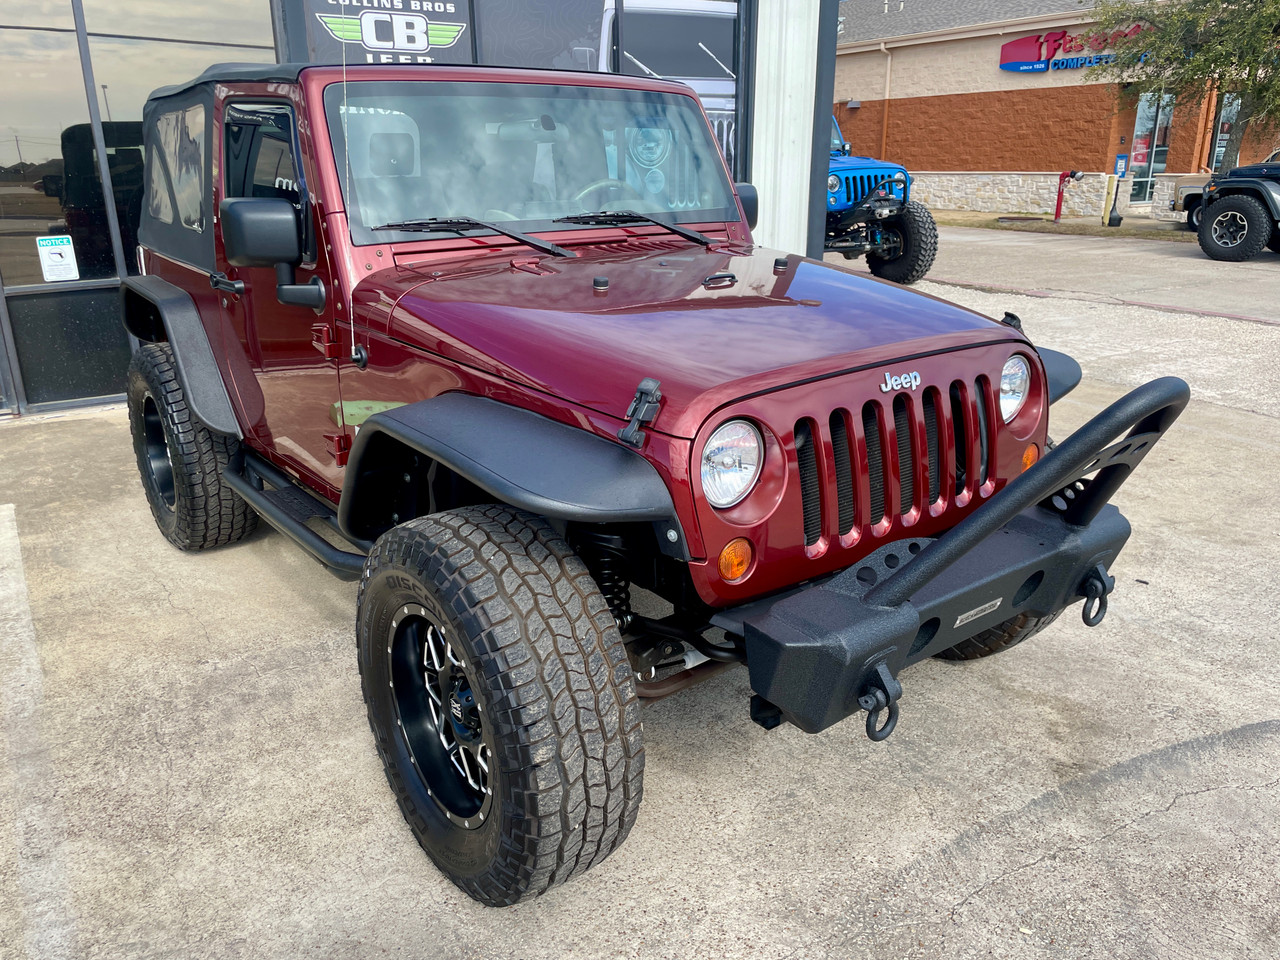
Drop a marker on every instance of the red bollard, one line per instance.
(1063, 177)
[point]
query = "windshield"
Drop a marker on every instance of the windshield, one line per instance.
(837, 141)
(685, 45)
(521, 154)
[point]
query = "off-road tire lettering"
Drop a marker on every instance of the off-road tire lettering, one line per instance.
(206, 512)
(999, 638)
(554, 685)
(919, 246)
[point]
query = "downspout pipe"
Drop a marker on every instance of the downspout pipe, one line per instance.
(888, 80)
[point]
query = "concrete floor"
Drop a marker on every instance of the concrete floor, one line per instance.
(187, 770)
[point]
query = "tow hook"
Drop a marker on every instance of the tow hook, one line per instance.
(1095, 588)
(883, 692)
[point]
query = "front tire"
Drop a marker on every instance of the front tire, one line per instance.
(917, 237)
(501, 699)
(1195, 213)
(1235, 229)
(180, 460)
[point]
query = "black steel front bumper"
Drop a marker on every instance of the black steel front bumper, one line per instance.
(829, 649)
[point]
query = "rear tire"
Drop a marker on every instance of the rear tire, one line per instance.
(539, 705)
(998, 639)
(918, 235)
(1235, 229)
(180, 460)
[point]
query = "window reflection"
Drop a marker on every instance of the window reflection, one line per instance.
(38, 13)
(231, 21)
(49, 184)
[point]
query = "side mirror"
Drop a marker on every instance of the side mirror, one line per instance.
(584, 58)
(750, 201)
(846, 149)
(51, 185)
(260, 232)
(263, 232)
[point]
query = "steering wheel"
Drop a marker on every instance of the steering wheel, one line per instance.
(597, 186)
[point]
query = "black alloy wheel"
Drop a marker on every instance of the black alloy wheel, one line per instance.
(439, 717)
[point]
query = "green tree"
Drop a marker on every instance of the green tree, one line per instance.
(1189, 45)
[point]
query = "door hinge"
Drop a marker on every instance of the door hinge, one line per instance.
(339, 447)
(324, 339)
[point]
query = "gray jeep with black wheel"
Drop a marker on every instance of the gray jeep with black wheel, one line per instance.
(1242, 212)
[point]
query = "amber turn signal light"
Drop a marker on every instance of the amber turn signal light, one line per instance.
(735, 559)
(1030, 456)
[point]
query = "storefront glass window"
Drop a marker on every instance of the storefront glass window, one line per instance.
(226, 22)
(1150, 144)
(49, 183)
(123, 90)
(1228, 110)
(38, 13)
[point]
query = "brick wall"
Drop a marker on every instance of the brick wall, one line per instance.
(1053, 128)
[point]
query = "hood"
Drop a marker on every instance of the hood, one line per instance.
(1267, 170)
(840, 164)
(712, 324)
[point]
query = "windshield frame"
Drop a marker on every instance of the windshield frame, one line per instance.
(362, 234)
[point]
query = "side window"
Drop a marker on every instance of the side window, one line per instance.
(177, 180)
(259, 158)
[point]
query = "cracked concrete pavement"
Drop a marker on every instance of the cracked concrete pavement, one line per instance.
(186, 769)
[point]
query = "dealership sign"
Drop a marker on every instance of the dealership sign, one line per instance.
(1061, 51)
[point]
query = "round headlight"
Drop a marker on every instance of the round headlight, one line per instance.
(833, 183)
(900, 176)
(1015, 380)
(731, 463)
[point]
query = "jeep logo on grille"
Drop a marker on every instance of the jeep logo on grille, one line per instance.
(908, 381)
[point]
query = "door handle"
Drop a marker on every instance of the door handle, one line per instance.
(220, 281)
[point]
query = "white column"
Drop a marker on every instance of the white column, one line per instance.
(782, 136)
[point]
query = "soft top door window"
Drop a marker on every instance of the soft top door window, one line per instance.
(261, 158)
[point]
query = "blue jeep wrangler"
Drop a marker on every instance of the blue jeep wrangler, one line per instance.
(870, 211)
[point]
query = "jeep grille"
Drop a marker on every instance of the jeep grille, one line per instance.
(909, 429)
(858, 185)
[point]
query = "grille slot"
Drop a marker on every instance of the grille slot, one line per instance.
(875, 460)
(934, 443)
(810, 488)
(906, 458)
(958, 442)
(984, 442)
(844, 470)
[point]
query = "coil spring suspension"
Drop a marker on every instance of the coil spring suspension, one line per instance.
(605, 556)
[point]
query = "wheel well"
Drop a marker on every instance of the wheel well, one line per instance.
(399, 483)
(142, 317)
(1247, 192)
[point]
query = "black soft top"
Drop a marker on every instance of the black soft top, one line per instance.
(237, 72)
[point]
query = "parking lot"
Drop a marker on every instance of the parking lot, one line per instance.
(188, 771)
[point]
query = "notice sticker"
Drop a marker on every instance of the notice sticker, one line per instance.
(57, 258)
(977, 612)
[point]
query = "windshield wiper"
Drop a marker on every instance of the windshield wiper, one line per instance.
(462, 224)
(619, 217)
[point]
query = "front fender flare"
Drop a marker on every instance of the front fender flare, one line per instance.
(1265, 190)
(518, 457)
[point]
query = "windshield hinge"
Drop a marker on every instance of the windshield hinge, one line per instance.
(643, 410)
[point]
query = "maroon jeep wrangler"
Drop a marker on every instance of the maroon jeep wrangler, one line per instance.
(498, 344)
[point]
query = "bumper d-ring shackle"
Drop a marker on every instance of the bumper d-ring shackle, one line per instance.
(883, 693)
(1095, 588)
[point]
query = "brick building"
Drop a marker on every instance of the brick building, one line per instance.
(986, 101)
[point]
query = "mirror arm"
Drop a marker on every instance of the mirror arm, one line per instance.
(294, 294)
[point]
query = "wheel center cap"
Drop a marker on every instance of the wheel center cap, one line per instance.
(463, 714)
